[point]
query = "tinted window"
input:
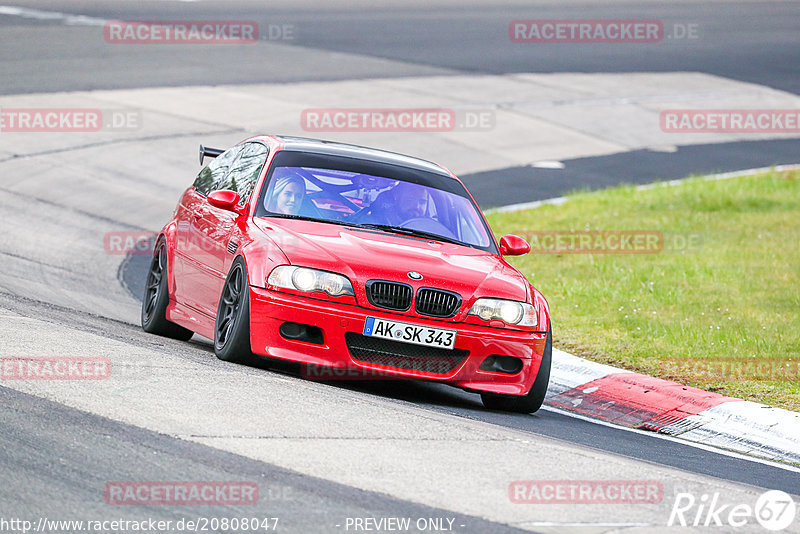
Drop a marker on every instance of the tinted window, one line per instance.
(244, 171)
(370, 194)
(215, 171)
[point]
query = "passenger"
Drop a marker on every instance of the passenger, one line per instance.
(287, 194)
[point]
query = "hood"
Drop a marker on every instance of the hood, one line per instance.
(363, 254)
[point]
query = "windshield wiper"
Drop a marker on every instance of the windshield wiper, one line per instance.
(306, 218)
(412, 232)
(288, 216)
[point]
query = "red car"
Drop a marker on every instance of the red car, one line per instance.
(354, 262)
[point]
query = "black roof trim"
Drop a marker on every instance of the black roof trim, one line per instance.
(334, 148)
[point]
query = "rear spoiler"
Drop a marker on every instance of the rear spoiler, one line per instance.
(210, 152)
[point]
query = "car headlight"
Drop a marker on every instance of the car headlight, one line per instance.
(305, 279)
(508, 311)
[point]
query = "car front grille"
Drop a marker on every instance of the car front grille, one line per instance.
(405, 356)
(389, 295)
(437, 303)
(398, 296)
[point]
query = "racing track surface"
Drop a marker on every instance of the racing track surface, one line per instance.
(319, 452)
(748, 41)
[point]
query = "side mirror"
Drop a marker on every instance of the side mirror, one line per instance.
(513, 245)
(225, 200)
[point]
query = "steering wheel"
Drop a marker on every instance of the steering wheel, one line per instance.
(425, 224)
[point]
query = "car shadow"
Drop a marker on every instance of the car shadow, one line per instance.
(413, 391)
(424, 393)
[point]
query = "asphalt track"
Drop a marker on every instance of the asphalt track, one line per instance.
(633, 167)
(34, 427)
(752, 42)
(59, 447)
(641, 445)
(748, 41)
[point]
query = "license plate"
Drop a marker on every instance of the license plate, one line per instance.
(410, 333)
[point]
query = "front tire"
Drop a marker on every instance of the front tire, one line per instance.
(533, 400)
(232, 327)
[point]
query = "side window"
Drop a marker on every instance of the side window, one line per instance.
(244, 171)
(215, 171)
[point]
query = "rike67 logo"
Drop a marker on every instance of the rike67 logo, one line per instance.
(774, 510)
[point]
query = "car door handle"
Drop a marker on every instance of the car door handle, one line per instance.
(198, 215)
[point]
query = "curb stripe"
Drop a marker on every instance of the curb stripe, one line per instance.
(637, 400)
(642, 402)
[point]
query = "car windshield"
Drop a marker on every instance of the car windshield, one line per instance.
(374, 195)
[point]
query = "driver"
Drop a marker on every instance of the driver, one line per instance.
(412, 201)
(405, 202)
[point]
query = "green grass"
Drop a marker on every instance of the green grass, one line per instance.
(735, 296)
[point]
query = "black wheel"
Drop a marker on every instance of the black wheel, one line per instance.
(232, 327)
(156, 298)
(533, 400)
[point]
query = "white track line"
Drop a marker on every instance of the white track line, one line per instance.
(38, 14)
(708, 448)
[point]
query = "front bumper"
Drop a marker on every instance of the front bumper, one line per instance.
(270, 309)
